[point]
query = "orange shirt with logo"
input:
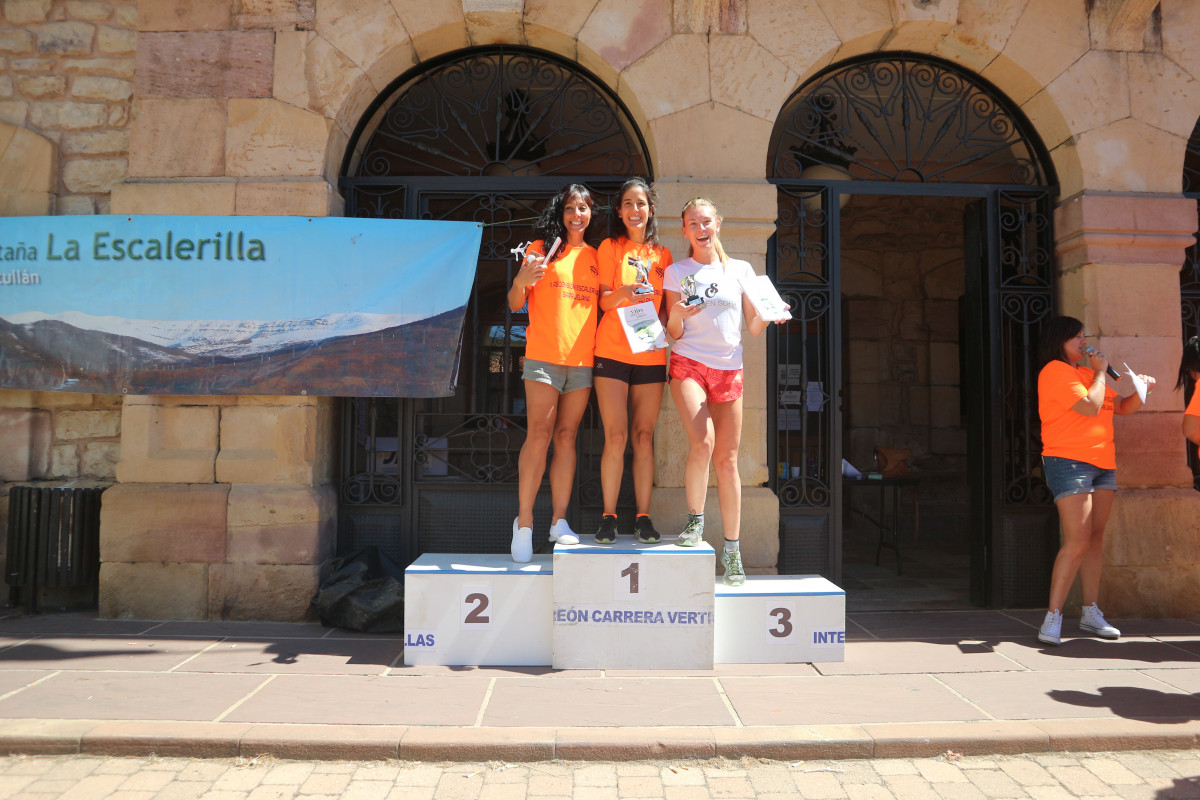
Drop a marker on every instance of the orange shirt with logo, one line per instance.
(1193, 407)
(1065, 432)
(613, 257)
(562, 308)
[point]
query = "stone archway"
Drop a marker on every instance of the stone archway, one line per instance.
(866, 153)
(487, 135)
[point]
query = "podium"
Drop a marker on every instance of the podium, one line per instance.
(780, 619)
(477, 610)
(629, 606)
(633, 606)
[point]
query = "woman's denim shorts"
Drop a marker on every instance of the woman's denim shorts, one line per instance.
(1066, 477)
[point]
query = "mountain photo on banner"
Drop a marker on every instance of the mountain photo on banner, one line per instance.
(233, 305)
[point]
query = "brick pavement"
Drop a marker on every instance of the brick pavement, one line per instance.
(1137, 775)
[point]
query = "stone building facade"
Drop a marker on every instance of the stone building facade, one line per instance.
(223, 507)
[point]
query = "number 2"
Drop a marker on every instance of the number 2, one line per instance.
(476, 615)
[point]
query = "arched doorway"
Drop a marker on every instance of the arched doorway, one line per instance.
(488, 135)
(914, 238)
(1189, 274)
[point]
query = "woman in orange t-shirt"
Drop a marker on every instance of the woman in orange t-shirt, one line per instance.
(559, 341)
(1189, 370)
(1076, 408)
(631, 272)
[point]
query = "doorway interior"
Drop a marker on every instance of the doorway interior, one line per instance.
(902, 288)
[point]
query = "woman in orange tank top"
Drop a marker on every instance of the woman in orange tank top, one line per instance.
(629, 385)
(561, 293)
(1076, 408)
(1189, 372)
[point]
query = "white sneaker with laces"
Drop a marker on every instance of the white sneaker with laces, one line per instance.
(1051, 632)
(561, 532)
(1093, 622)
(522, 544)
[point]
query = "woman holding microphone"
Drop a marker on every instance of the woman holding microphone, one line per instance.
(1076, 407)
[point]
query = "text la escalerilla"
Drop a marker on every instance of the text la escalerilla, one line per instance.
(221, 246)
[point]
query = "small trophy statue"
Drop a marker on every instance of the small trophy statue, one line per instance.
(643, 275)
(691, 296)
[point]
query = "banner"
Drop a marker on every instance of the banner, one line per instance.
(195, 305)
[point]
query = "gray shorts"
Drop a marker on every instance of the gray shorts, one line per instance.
(564, 379)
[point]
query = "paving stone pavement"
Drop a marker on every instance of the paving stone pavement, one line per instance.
(1136, 775)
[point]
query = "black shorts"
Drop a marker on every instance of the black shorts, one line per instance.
(633, 374)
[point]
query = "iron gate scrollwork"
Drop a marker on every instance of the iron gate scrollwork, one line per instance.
(905, 118)
(487, 134)
(1026, 302)
(802, 451)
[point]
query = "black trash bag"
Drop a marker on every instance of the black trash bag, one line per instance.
(363, 591)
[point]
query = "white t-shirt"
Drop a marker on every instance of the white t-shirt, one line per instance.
(714, 336)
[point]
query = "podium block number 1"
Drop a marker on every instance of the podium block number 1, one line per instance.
(627, 580)
(781, 624)
(477, 608)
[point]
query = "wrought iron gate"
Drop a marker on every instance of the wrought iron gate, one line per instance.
(486, 135)
(901, 124)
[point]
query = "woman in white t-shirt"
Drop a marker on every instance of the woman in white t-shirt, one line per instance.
(706, 308)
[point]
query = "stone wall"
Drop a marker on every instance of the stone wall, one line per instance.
(223, 510)
(66, 72)
(58, 437)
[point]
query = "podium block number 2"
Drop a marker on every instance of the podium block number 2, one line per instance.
(781, 623)
(627, 580)
(476, 608)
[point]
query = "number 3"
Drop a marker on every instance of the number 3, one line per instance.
(783, 628)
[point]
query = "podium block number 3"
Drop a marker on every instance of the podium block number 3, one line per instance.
(627, 580)
(781, 626)
(476, 608)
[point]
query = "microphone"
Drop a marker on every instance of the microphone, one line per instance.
(1112, 373)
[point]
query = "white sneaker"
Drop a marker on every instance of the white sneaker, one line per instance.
(522, 544)
(561, 532)
(1051, 632)
(1093, 622)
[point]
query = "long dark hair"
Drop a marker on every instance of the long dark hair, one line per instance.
(651, 198)
(1057, 332)
(1189, 363)
(549, 225)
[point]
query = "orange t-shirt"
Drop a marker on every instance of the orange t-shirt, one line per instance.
(1193, 407)
(1065, 432)
(562, 308)
(613, 257)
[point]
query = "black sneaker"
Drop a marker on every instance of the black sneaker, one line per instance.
(644, 531)
(606, 533)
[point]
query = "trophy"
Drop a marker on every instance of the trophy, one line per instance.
(691, 295)
(643, 275)
(521, 254)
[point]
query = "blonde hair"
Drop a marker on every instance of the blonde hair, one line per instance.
(704, 201)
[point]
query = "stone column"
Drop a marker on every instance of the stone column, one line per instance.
(1119, 259)
(749, 220)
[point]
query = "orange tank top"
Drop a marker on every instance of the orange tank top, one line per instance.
(615, 257)
(562, 308)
